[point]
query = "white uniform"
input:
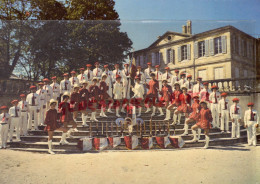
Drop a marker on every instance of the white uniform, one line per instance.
(56, 90)
(43, 108)
(159, 77)
(65, 85)
(197, 88)
(23, 105)
(109, 81)
(214, 98)
(189, 86)
(33, 101)
(118, 91)
(138, 91)
(175, 78)
(49, 95)
(235, 113)
(147, 73)
(182, 81)
(97, 72)
(223, 108)
(126, 83)
(5, 120)
(15, 113)
(142, 77)
(115, 73)
(167, 76)
(81, 77)
(251, 118)
(73, 81)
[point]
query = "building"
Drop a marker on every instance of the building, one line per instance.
(222, 53)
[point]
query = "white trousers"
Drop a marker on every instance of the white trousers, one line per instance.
(24, 123)
(235, 128)
(33, 114)
(4, 133)
(15, 124)
(215, 115)
(224, 120)
(55, 96)
(251, 133)
(41, 114)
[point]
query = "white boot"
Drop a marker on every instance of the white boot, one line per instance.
(154, 108)
(179, 118)
(174, 118)
(117, 112)
(148, 110)
(109, 108)
(168, 115)
(123, 108)
(91, 117)
(199, 132)
(63, 140)
(50, 148)
(83, 119)
(161, 112)
(94, 117)
(186, 126)
(194, 136)
(139, 111)
(103, 112)
(69, 132)
(207, 141)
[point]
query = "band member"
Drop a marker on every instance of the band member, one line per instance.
(223, 109)
(33, 101)
(94, 92)
(109, 80)
(141, 75)
(75, 101)
(97, 72)
(126, 82)
(197, 87)
(118, 93)
(183, 79)
(158, 76)
(43, 98)
(73, 80)
(66, 116)
(175, 78)
(49, 92)
(23, 105)
(147, 72)
(82, 76)
(138, 94)
(55, 88)
(185, 106)
(205, 119)
(65, 85)
(194, 116)
(204, 93)
(175, 103)
(152, 95)
(116, 72)
(214, 98)
(15, 113)
(4, 125)
(235, 114)
(167, 75)
(89, 73)
(104, 96)
(251, 123)
(189, 85)
(84, 100)
(52, 125)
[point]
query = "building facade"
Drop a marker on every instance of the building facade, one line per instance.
(221, 53)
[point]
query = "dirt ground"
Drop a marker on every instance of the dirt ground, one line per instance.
(239, 164)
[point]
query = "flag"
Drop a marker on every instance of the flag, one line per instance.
(162, 142)
(114, 141)
(85, 144)
(132, 67)
(131, 142)
(100, 143)
(177, 141)
(147, 142)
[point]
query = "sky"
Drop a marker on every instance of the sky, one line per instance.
(145, 20)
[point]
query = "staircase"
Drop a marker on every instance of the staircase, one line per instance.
(36, 141)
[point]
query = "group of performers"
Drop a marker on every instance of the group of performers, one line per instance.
(57, 105)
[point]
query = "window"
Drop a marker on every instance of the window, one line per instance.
(157, 60)
(218, 73)
(245, 73)
(201, 46)
(245, 48)
(168, 58)
(202, 74)
(184, 52)
(217, 45)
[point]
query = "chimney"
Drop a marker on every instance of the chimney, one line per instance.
(184, 29)
(189, 29)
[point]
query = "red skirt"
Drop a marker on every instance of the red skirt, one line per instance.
(76, 107)
(67, 118)
(184, 108)
(104, 96)
(52, 127)
(83, 105)
(195, 116)
(204, 124)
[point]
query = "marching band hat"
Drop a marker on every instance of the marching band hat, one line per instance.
(46, 80)
(75, 86)
(118, 76)
(149, 63)
(137, 77)
(73, 72)
(65, 74)
(182, 73)
(84, 82)
(97, 63)
(53, 101)
(14, 101)
(195, 96)
(54, 77)
(166, 68)
(189, 76)
(250, 104)
(235, 99)
(88, 65)
(205, 83)
(33, 87)
(81, 69)
(199, 78)
(105, 66)
(66, 93)
(214, 87)
(176, 71)
(3, 107)
(40, 83)
(157, 66)
(223, 94)
(22, 95)
(183, 86)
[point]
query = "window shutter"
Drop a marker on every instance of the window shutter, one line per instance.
(239, 46)
(211, 47)
(142, 60)
(188, 52)
(160, 57)
(166, 56)
(206, 48)
(171, 56)
(179, 54)
(196, 53)
(224, 44)
(153, 59)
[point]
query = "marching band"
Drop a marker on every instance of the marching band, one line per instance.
(103, 88)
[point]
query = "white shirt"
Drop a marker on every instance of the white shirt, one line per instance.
(182, 82)
(116, 72)
(42, 95)
(203, 94)
(55, 88)
(109, 77)
(6, 119)
(212, 98)
(126, 76)
(90, 76)
(167, 76)
(142, 76)
(62, 86)
(12, 111)
(247, 116)
(197, 88)
(49, 92)
(175, 78)
(118, 91)
(97, 72)
(187, 84)
(158, 75)
(74, 80)
(221, 105)
(138, 91)
(147, 73)
(36, 99)
(232, 111)
(81, 77)
(23, 105)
